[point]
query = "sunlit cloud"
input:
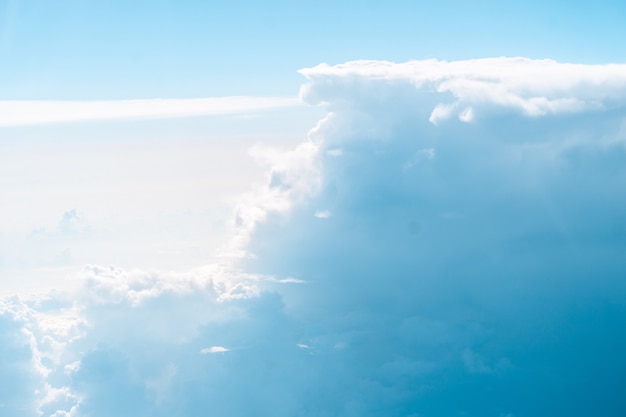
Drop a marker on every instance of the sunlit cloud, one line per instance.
(460, 88)
(460, 261)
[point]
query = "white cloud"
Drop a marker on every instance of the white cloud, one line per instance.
(292, 177)
(467, 115)
(534, 87)
(503, 234)
(441, 112)
(17, 113)
(214, 349)
(322, 214)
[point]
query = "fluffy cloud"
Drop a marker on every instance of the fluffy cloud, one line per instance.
(472, 265)
(480, 251)
(534, 87)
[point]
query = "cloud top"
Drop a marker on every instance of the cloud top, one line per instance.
(532, 87)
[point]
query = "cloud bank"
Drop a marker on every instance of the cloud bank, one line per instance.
(405, 261)
(18, 113)
(534, 87)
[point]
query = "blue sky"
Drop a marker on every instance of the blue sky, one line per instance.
(322, 209)
(146, 49)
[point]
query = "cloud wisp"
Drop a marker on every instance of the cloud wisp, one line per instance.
(19, 113)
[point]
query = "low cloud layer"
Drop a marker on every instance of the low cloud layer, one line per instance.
(402, 262)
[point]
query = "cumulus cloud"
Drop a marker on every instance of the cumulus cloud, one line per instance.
(471, 266)
(534, 87)
(292, 177)
(17, 113)
(477, 216)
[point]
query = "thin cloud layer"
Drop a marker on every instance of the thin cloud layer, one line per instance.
(17, 113)
(393, 265)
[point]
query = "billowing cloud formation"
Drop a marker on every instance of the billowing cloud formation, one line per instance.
(534, 87)
(15, 113)
(472, 265)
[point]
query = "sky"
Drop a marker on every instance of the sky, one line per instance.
(324, 209)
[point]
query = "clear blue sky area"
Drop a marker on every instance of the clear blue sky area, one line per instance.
(120, 49)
